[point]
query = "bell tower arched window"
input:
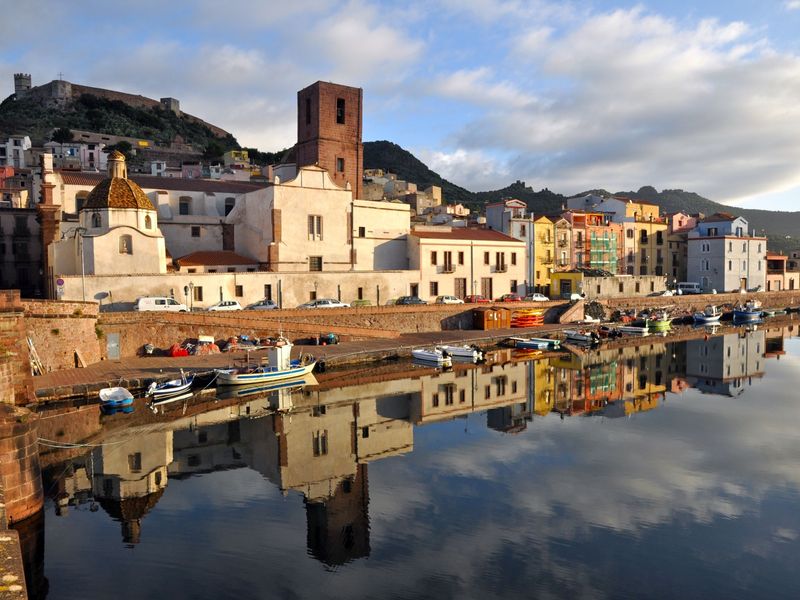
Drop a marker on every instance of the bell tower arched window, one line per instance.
(148, 222)
(96, 220)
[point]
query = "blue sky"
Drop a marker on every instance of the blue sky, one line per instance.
(568, 96)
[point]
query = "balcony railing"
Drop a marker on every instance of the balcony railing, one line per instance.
(546, 260)
(562, 262)
(562, 243)
(579, 243)
(500, 268)
(448, 269)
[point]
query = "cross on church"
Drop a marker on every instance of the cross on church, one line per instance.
(60, 76)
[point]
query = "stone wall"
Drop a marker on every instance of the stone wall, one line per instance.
(691, 303)
(66, 424)
(58, 329)
(20, 474)
(16, 382)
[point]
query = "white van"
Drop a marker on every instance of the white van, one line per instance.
(159, 303)
(689, 287)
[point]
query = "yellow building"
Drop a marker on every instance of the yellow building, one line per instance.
(645, 246)
(551, 250)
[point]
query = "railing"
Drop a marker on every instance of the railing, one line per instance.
(563, 262)
(500, 268)
(579, 243)
(448, 269)
(562, 243)
(546, 260)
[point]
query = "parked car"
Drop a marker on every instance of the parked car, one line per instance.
(689, 287)
(476, 299)
(159, 303)
(264, 304)
(509, 298)
(536, 298)
(225, 305)
(449, 300)
(410, 300)
(324, 303)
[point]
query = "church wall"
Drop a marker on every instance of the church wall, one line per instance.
(379, 235)
(104, 255)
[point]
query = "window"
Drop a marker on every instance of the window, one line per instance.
(96, 221)
(486, 258)
(730, 246)
(364, 434)
(231, 269)
(315, 263)
(185, 205)
(435, 400)
(135, 462)
(340, 111)
(621, 286)
(629, 233)
(659, 237)
(513, 258)
(638, 287)
(308, 111)
(212, 271)
(744, 246)
(759, 248)
(362, 232)
(319, 442)
(197, 293)
(339, 164)
(461, 258)
(730, 265)
(434, 288)
(462, 396)
(522, 230)
(361, 293)
(148, 222)
(229, 204)
(712, 231)
(434, 259)
(513, 286)
(195, 231)
(239, 291)
(315, 227)
(125, 244)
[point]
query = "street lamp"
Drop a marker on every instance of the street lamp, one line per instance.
(191, 296)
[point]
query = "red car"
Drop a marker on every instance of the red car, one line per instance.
(476, 298)
(509, 298)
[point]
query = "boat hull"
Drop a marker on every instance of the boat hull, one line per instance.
(170, 389)
(116, 397)
(432, 357)
(633, 330)
(705, 319)
(232, 377)
(462, 353)
(746, 315)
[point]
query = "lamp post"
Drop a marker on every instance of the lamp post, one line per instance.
(191, 296)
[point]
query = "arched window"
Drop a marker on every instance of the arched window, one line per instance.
(80, 200)
(148, 222)
(96, 221)
(229, 204)
(125, 244)
(185, 205)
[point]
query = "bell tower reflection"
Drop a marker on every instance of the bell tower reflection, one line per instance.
(338, 526)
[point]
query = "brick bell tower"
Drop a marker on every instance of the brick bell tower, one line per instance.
(329, 132)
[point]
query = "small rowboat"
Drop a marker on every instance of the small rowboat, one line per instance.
(711, 314)
(161, 392)
(470, 353)
(115, 397)
(583, 336)
(633, 330)
(662, 322)
(436, 356)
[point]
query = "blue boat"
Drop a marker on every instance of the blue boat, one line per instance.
(749, 311)
(115, 397)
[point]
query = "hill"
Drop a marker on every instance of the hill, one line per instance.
(89, 112)
(782, 228)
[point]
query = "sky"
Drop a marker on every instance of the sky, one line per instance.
(564, 95)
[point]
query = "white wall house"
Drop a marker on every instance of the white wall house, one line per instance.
(512, 218)
(723, 255)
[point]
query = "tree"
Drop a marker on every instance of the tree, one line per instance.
(62, 135)
(213, 150)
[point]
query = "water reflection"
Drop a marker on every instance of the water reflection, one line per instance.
(316, 445)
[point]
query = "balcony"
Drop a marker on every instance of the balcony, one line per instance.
(562, 243)
(546, 260)
(448, 269)
(562, 262)
(500, 268)
(579, 243)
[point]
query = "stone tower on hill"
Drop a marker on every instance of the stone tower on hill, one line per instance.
(329, 132)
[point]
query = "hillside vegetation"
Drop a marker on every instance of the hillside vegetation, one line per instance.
(101, 115)
(782, 228)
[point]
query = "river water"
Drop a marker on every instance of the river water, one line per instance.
(668, 470)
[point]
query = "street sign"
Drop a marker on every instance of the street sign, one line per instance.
(59, 282)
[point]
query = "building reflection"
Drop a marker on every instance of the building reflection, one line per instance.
(318, 441)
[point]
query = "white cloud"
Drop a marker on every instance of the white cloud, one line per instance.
(792, 4)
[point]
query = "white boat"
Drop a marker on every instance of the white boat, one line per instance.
(711, 314)
(279, 366)
(115, 397)
(582, 335)
(436, 356)
(634, 330)
(169, 389)
(470, 353)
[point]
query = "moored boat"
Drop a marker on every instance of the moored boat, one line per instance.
(530, 344)
(553, 343)
(711, 314)
(470, 353)
(435, 355)
(661, 322)
(116, 397)
(583, 336)
(169, 389)
(279, 366)
(749, 311)
(633, 330)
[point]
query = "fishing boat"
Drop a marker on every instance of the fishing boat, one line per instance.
(711, 314)
(436, 356)
(469, 353)
(773, 312)
(279, 366)
(662, 322)
(584, 336)
(634, 330)
(242, 391)
(551, 343)
(115, 397)
(169, 389)
(526, 344)
(749, 311)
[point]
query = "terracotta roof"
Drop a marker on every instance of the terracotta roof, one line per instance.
(116, 192)
(167, 183)
(214, 257)
(457, 233)
(717, 217)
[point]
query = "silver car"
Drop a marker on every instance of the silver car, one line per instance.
(324, 303)
(264, 304)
